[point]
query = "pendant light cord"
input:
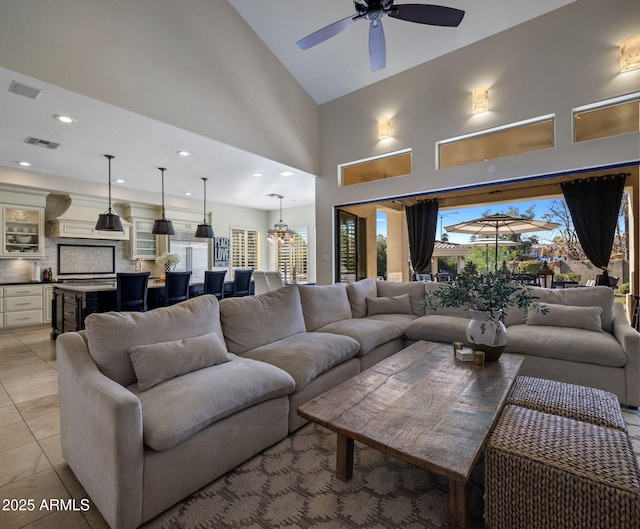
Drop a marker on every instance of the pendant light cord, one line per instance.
(162, 170)
(204, 209)
(109, 157)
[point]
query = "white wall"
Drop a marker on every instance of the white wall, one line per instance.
(548, 65)
(194, 64)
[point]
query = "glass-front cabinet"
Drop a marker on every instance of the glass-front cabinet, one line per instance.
(23, 232)
(143, 241)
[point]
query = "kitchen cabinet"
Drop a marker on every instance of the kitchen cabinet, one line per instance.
(22, 231)
(87, 230)
(72, 306)
(22, 305)
(47, 297)
(143, 241)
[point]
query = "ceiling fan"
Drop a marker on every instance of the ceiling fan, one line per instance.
(373, 11)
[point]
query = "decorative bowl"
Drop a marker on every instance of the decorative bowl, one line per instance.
(23, 239)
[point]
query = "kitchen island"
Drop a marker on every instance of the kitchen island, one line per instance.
(73, 302)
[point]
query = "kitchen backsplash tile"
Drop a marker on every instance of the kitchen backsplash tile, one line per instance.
(19, 270)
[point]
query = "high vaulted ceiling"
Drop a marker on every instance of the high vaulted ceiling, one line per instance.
(141, 144)
(341, 64)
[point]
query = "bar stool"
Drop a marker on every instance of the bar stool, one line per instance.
(176, 287)
(131, 293)
(214, 283)
(242, 282)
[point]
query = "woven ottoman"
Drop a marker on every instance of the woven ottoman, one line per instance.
(546, 471)
(568, 400)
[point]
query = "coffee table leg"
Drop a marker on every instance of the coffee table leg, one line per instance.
(344, 458)
(460, 514)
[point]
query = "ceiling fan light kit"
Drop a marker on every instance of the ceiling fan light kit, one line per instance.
(373, 11)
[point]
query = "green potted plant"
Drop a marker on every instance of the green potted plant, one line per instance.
(488, 298)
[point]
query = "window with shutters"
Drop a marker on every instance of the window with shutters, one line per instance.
(245, 249)
(293, 256)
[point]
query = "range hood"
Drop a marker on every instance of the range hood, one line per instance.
(75, 217)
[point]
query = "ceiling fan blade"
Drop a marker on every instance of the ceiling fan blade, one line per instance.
(428, 14)
(326, 33)
(377, 46)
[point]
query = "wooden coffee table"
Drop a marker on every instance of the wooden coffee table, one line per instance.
(422, 406)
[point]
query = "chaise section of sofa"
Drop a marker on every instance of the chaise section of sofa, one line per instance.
(271, 328)
(153, 407)
(584, 339)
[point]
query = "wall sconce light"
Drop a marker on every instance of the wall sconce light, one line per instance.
(480, 100)
(384, 128)
(630, 54)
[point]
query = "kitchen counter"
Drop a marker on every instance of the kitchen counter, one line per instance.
(73, 302)
(10, 283)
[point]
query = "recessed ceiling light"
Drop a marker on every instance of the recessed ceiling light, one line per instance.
(286, 173)
(256, 174)
(25, 164)
(184, 153)
(120, 181)
(65, 119)
(187, 194)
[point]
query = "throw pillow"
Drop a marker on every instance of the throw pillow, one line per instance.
(155, 363)
(389, 305)
(589, 318)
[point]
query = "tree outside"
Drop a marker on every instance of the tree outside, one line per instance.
(381, 244)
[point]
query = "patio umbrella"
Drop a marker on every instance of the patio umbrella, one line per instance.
(490, 241)
(493, 225)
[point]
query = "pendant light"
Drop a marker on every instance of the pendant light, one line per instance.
(163, 226)
(205, 230)
(109, 221)
(280, 232)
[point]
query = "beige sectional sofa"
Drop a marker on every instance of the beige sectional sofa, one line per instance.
(155, 405)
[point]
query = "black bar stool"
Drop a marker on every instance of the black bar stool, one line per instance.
(242, 282)
(214, 283)
(176, 287)
(131, 293)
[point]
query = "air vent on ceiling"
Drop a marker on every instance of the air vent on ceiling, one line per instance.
(42, 143)
(24, 90)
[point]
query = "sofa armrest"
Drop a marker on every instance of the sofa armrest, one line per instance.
(101, 433)
(629, 339)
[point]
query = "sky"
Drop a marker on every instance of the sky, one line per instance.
(454, 216)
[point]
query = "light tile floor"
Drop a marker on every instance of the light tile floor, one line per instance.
(31, 464)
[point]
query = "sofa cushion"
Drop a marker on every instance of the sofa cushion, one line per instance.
(251, 321)
(177, 409)
(438, 328)
(111, 334)
(401, 319)
(306, 355)
(324, 304)
(567, 316)
(415, 289)
(389, 305)
(155, 363)
(358, 292)
(581, 297)
(369, 333)
(565, 343)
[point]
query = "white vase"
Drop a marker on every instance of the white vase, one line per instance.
(486, 334)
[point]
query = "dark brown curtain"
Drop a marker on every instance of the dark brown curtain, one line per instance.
(594, 205)
(422, 222)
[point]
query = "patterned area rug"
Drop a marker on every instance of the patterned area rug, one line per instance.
(292, 485)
